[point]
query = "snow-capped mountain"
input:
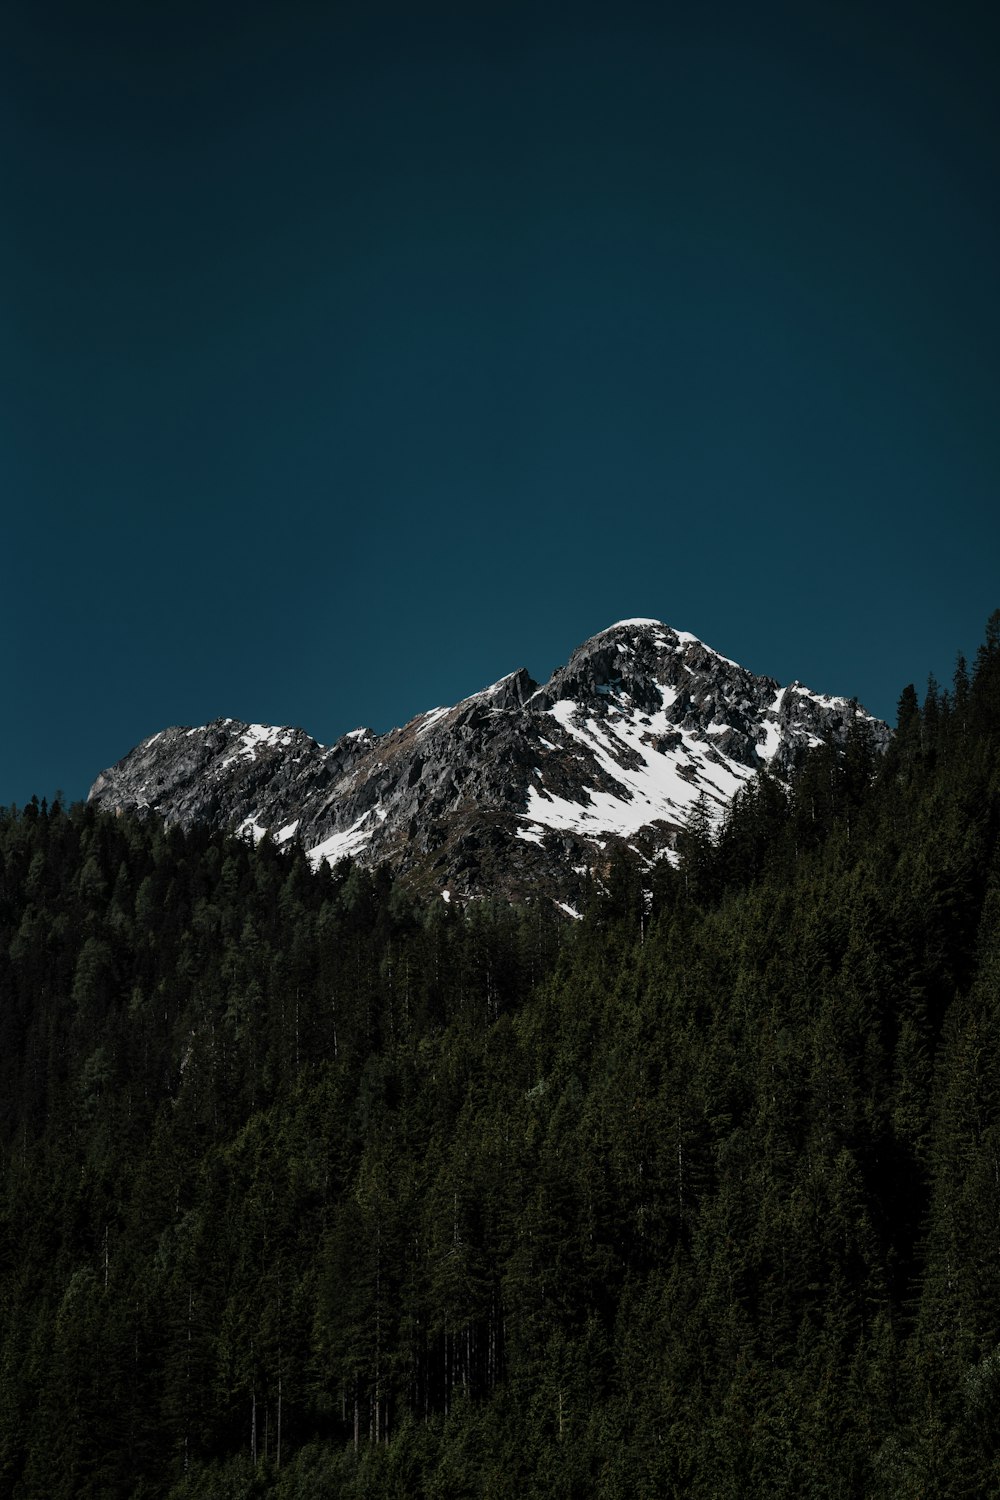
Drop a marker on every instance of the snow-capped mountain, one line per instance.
(518, 788)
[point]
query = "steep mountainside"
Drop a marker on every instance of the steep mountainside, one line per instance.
(515, 788)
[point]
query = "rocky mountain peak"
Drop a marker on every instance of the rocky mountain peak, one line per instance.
(518, 788)
(632, 663)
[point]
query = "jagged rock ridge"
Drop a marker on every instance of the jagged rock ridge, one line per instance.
(516, 789)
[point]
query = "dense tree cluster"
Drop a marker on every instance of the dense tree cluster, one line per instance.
(309, 1190)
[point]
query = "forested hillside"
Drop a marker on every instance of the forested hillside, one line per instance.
(310, 1190)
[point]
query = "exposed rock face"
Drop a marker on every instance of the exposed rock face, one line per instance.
(517, 789)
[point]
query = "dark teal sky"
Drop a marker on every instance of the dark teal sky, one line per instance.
(354, 355)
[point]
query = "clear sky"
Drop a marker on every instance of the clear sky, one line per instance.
(353, 355)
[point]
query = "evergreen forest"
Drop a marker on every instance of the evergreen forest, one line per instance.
(312, 1189)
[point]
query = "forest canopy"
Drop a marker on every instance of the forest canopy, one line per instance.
(311, 1189)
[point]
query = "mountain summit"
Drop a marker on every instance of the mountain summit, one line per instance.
(517, 788)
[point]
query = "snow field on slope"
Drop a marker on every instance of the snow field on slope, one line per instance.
(654, 790)
(339, 845)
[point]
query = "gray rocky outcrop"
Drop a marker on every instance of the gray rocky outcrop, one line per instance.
(518, 789)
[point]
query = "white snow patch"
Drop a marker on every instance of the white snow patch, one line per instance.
(530, 835)
(339, 845)
(286, 833)
(255, 737)
(692, 640)
(768, 747)
(446, 896)
(570, 911)
(823, 698)
(251, 826)
(637, 620)
(487, 692)
(431, 718)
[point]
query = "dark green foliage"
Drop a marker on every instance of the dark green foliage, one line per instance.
(310, 1191)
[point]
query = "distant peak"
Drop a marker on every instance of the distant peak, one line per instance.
(684, 637)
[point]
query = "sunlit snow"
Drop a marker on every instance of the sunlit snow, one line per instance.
(530, 835)
(486, 692)
(768, 747)
(654, 789)
(638, 620)
(430, 718)
(339, 845)
(256, 737)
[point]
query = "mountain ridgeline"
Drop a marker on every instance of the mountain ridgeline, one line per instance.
(517, 789)
(314, 1187)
